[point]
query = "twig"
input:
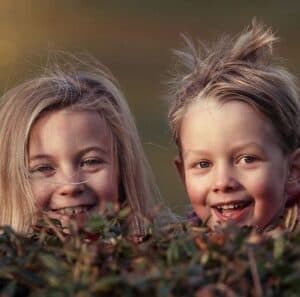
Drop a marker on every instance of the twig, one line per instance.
(55, 229)
(254, 273)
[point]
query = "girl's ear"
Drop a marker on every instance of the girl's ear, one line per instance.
(293, 183)
(180, 168)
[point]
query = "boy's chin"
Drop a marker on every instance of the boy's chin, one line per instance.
(214, 222)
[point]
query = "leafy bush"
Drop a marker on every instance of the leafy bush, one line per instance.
(185, 261)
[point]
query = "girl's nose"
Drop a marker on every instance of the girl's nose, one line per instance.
(70, 184)
(224, 179)
(71, 189)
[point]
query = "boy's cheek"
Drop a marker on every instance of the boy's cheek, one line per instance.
(263, 213)
(196, 194)
(202, 212)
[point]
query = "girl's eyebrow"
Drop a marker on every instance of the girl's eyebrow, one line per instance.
(195, 152)
(93, 148)
(39, 156)
(80, 152)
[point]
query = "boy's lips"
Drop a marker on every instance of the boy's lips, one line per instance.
(232, 211)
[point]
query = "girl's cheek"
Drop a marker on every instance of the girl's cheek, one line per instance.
(111, 192)
(41, 196)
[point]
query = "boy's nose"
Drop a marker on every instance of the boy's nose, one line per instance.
(224, 179)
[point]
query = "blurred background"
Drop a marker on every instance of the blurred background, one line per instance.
(134, 39)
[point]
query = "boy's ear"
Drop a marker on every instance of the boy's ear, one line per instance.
(293, 183)
(179, 166)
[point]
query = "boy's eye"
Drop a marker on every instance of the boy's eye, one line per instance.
(248, 159)
(203, 164)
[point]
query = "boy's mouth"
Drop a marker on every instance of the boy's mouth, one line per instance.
(234, 210)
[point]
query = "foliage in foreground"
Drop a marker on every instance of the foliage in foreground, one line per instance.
(190, 262)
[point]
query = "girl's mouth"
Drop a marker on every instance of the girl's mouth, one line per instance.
(74, 210)
(232, 211)
(78, 214)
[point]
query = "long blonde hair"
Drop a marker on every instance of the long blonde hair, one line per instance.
(84, 86)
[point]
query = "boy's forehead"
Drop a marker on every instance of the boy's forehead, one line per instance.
(206, 108)
(210, 103)
(211, 121)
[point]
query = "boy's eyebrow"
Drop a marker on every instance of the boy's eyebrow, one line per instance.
(238, 148)
(247, 145)
(80, 152)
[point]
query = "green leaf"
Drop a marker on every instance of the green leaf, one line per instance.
(9, 290)
(106, 283)
(279, 245)
(50, 261)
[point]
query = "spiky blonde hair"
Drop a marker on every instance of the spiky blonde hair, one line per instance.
(240, 68)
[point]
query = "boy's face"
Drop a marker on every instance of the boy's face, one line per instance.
(231, 163)
(71, 164)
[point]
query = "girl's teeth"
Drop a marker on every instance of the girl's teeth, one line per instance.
(73, 210)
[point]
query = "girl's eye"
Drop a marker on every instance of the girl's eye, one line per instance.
(91, 162)
(203, 164)
(42, 170)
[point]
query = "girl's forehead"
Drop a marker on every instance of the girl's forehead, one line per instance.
(69, 128)
(65, 119)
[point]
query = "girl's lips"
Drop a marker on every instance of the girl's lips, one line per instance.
(235, 211)
(78, 214)
(73, 210)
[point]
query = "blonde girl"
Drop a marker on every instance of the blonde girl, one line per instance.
(69, 143)
(234, 116)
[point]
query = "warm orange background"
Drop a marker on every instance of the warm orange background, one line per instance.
(134, 39)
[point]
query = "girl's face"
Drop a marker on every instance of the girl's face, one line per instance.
(71, 164)
(231, 163)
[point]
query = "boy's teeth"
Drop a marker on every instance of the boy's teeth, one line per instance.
(232, 206)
